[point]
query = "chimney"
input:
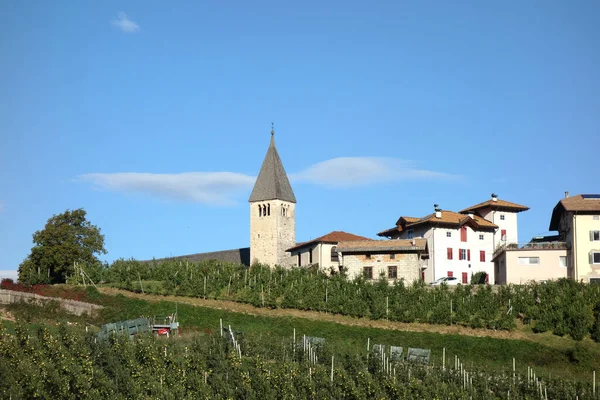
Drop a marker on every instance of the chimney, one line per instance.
(494, 197)
(438, 211)
(566, 195)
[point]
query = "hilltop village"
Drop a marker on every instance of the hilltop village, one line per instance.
(482, 238)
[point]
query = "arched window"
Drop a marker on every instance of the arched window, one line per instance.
(334, 254)
(259, 211)
(264, 208)
(269, 209)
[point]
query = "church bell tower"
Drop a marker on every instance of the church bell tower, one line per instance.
(272, 213)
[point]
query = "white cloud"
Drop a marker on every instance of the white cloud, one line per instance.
(213, 188)
(125, 24)
(358, 171)
(224, 188)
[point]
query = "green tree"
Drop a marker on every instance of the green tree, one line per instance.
(67, 238)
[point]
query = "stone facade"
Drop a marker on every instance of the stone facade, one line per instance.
(273, 232)
(408, 265)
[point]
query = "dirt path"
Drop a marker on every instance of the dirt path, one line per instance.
(519, 334)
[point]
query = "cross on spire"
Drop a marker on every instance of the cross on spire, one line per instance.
(272, 129)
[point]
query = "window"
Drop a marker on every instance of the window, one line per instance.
(392, 256)
(449, 252)
(448, 234)
(563, 261)
(503, 235)
(463, 234)
(334, 254)
(502, 217)
(310, 261)
(392, 272)
(482, 255)
(410, 234)
(299, 259)
(368, 272)
(368, 256)
(595, 236)
(529, 260)
(481, 237)
(269, 209)
(462, 254)
(595, 257)
(259, 211)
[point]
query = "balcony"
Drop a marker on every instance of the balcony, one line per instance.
(531, 246)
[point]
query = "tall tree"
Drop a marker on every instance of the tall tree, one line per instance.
(66, 239)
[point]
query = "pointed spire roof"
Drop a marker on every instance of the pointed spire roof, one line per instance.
(272, 182)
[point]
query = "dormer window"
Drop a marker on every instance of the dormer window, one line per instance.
(410, 234)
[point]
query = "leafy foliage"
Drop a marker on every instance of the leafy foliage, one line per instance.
(564, 307)
(67, 238)
(70, 364)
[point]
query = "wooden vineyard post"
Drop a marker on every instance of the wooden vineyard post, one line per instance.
(444, 358)
(594, 383)
(514, 369)
(204, 287)
(387, 306)
(331, 369)
(221, 325)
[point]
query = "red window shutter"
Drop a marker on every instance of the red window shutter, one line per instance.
(450, 274)
(465, 277)
(482, 256)
(463, 234)
(449, 253)
(460, 254)
(468, 255)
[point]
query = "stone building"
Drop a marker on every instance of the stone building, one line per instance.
(322, 250)
(394, 259)
(272, 213)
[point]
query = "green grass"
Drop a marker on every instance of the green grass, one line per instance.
(481, 352)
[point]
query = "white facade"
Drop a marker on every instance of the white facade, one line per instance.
(316, 253)
(507, 226)
(440, 239)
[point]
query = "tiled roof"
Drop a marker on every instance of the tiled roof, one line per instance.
(448, 218)
(581, 203)
(498, 204)
(387, 232)
(382, 245)
(236, 256)
(577, 203)
(272, 182)
(453, 218)
(331, 237)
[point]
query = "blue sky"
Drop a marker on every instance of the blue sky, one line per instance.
(155, 117)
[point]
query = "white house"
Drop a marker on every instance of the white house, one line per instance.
(461, 244)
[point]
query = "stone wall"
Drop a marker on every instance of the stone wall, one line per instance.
(271, 235)
(72, 306)
(407, 265)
